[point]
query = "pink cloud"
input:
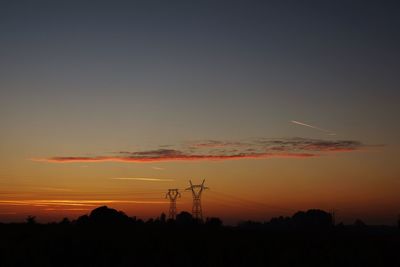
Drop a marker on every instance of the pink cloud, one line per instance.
(213, 150)
(162, 158)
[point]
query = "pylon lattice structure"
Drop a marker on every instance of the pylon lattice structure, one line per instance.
(197, 190)
(172, 195)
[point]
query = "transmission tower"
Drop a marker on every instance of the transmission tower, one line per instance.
(196, 193)
(172, 195)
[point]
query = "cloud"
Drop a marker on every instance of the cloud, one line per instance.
(316, 145)
(157, 168)
(53, 189)
(214, 150)
(183, 157)
(215, 144)
(73, 203)
(67, 209)
(144, 179)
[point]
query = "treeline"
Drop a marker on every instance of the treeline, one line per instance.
(107, 237)
(311, 219)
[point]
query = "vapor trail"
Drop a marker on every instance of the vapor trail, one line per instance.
(313, 127)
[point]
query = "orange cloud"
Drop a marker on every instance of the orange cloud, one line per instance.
(175, 158)
(212, 150)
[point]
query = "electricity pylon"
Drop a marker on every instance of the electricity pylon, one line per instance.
(172, 195)
(196, 193)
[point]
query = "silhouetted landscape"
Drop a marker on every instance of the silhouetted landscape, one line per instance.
(107, 237)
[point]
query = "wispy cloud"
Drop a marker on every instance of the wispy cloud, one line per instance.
(144, 179)
(158, 168)
(313, 127)
(53, 189)
(214, 150)
(180, 157)
(66, 209)
(72, 203)
(215, 144)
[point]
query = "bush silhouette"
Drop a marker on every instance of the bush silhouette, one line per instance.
(312, 219)
(104, 216)
(65, 221)
(31, 219)
(184, 218)
(214, 222)
(359, 223)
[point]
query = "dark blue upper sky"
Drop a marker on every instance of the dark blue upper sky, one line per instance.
(259, 61)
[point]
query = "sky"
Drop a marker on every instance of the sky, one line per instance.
(279, 105)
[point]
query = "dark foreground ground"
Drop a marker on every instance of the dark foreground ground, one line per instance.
(160, 243)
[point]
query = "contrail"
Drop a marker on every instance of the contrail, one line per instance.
(144, 179)
(313, 127)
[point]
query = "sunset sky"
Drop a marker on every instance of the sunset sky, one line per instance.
(280, 105)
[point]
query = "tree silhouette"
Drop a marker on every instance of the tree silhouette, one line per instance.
(359, 223)
(31, 220)
(65, 221)
(214, 222)
(184, 218)
(105, 215)
(312, 219)
(163, 218)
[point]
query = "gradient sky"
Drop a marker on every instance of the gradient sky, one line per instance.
(221, 90)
